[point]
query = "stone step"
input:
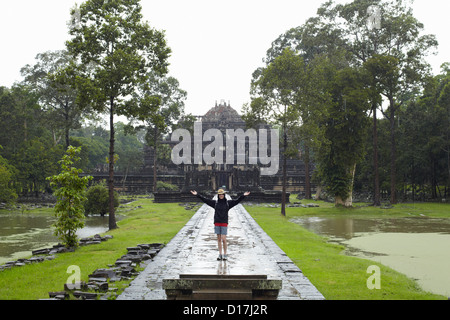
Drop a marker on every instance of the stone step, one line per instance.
(222, 294)
(225, 276)
(219, 287)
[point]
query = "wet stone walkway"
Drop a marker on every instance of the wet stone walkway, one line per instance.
(194, 251)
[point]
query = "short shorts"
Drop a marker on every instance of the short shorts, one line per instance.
(221, 230)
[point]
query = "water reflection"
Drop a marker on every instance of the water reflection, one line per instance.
(350, 227)
(22, 233)
(94, 225)
(417, 247)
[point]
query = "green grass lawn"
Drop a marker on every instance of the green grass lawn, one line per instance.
(145, 222)
(336, 276)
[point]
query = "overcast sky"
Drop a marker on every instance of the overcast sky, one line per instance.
(216, 44)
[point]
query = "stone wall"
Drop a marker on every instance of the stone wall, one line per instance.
(255, 196)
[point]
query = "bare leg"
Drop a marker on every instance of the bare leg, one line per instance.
(225, 245)
(219, 242)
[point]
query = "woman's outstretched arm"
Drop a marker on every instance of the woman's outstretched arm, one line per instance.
(209, 202)
(233, 203)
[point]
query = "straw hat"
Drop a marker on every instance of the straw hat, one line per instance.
(221, 191)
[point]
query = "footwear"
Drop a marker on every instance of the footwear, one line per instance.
(219, 257)
(224, 257)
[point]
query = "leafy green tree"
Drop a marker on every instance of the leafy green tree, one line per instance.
(70, 194)
(121, 51)
(253, 112)
(130, 151)
(94, 140)
(345, 129)
(7, 192)
(313, 42)
(20, 118)
(394, 51)
(331, 103)
(97, 199)
(56, 96)
(345, 32)
(26, 139)
(165, 186)
(424, 140)
(159, 123)
(444, 109)
(279, 85)
(36, 160)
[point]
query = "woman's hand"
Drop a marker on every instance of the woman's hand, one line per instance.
(194, 192)
(247, 193)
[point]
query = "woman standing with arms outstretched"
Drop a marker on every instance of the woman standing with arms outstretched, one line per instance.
(221, 207)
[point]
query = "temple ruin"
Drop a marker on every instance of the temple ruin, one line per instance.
(235, 178)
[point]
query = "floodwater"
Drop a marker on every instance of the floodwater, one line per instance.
(22, 233)
(416, 247)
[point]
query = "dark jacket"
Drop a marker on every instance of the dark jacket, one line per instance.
(221, 207)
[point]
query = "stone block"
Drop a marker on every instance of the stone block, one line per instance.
(123, 262)
(40, 251)
(228, 287)
(59, 295)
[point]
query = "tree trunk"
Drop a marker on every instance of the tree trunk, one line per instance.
(283, 192)
(393, 155)
(434, 184)
(448, 165)
(307, 178)
(112, 218)
(318, 193)
(413, 180)
(155, 160)
(66, 125)
(348, 202)
(376, 195)
(67, 137)
(338, 201)
(154, 173)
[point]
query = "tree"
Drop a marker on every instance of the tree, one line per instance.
(345, 128)
(170, 110)
(56, 96)
(396, 45)
(332, 105)
(122, 51)
(97, 199)
(279, 85)
(26, 139)
(424, 140)
(95, 146)
(444, 109)
(7, 193)
(20, 117)
(35, 160)
(363, 29)
(70, 194)
(130, 150)
(312, 41)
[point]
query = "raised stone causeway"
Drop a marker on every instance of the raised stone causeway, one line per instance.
(193, 251)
